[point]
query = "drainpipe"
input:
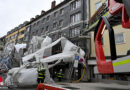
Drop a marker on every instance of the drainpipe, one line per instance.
(83, 13)
(88, 10)
(17, 37)
(88, 16)
(29, 35)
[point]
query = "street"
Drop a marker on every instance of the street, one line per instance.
(84, 86)
(5, 88)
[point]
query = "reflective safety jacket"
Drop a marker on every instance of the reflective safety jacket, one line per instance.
(41, 72)
(60, 75)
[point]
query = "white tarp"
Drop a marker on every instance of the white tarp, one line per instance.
(20, 46)
(68, 47)
(68, 55)
(39, 54)
(28, 76)
(8, 49)
(35, 44)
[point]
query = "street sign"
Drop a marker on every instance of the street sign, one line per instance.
(76, 61)
(76, 57)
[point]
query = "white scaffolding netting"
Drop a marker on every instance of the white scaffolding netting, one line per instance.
(28, 76)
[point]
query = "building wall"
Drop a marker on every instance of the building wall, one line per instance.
(37, 27)
(121, 48)
(16, 35)
(93, 5)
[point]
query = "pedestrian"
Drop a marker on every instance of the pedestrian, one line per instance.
(41, 74)
(60, 75)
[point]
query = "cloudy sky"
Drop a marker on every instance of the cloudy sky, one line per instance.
(15, 12)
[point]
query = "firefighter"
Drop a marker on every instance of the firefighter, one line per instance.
(41, 74)
(60, 75)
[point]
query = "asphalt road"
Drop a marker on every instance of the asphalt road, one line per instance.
(5, 88)
(83, 86)
(72, 88)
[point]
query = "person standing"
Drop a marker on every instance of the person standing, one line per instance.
(41, 74)
(60, 75)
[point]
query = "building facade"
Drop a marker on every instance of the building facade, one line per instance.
(2, 43)
(16, 35)
(121, 41)
(121, 34)
(67, 19)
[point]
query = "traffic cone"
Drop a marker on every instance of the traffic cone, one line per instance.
(1, 82)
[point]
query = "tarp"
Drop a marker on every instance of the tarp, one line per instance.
(20, 46)
(67, 46)
(27, 76)
(6, 61)
(35, 44)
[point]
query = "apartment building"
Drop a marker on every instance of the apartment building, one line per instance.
(121, 40)
(2, 43)
(67, 19)
(16, 35)
(121, 34)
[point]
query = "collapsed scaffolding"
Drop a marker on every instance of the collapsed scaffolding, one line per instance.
(40, 51)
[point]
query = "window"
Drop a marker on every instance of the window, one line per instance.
(11, 37)
(54, 36)
(98, 5)
(48, 17)
(47, 28)
(15, 36)
(34, 24)
(38, 22)
(60, 23)
(55, 25)
(33, 33)
(76, 4)
(75, 17)
(43, 20)
(59, 35)
(77, 43)
(22, 32)
(106, 2)
(36, 32)
(8, 39)
(42, 30)
(119, 38)
(55, 14)
(74, 32)
(61, 11)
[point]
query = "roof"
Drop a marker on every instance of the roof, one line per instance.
(50, 10)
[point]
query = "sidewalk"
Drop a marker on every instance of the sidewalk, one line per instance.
(94, 86)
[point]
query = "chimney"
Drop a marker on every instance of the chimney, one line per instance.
(53, 4)
(31, 19)
(42, 12)
(36, 16)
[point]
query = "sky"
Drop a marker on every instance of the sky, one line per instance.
(15, 12)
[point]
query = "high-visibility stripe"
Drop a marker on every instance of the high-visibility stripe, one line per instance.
(106, 14)
(59, 76)
(59, 73)
(40, 77)
(40, 73)
(121, 62)
(98, 20)
(94, 24)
